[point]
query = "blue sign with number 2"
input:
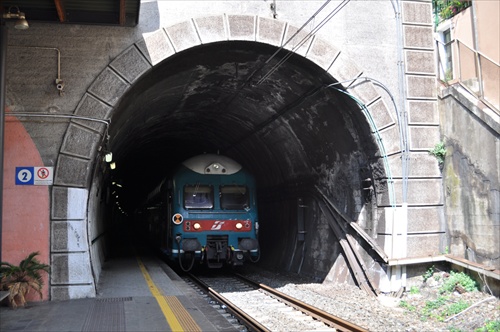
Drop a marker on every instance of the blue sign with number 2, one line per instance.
(24, 176)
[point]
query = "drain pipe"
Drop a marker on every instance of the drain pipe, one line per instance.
(3, 60)
(399, 230)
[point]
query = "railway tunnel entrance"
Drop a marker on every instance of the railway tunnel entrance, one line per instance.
(289, 123)
(298, 121)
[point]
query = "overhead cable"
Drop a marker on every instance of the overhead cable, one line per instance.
(306, 37)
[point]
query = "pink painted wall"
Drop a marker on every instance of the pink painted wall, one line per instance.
(26, 221)
(488, 26)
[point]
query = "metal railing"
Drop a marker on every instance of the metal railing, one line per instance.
(473, 70)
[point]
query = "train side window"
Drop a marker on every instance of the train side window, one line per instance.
(234, 197)
(198, 197)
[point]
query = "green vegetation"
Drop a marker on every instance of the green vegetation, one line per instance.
(19, 280)
(441, 308)
(491, 326)
(439, 152)
(414, 290)
(446, 305)
(428, 273)
(449, 8)
(455, 308)
(461, 279)
(406, 305)
(431, 308)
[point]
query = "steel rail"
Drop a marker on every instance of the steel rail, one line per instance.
(325, 317)
(241, 315)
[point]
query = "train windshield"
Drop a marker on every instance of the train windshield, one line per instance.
(234, 197)
(198, 197)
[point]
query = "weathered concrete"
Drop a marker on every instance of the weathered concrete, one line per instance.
(471, 176)
(187, 77)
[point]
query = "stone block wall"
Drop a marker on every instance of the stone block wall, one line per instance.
(79, 147)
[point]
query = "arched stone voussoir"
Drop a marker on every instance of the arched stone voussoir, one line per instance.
(381, 114)
(297, 41)
(69, 203)
(242, 27)
(155, 46)
(270, 31)
(323, 54)
(183, 35)
(92, 108)
(211, 29)
(344, 70)
(363, 90)
(109, 86)
(130, 64)
(80, 142)
(390, 140)
(72, 171)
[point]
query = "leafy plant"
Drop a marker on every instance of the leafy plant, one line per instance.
(461, 279)
(406, 305)
(435, 304)
(449, 8)
(490, 326)
(19, 280)
(428, 273)
(439, 151)
(455, 308)
(414, 290)
(432, 306)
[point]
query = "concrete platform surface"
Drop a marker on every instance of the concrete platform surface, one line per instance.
(133, 294)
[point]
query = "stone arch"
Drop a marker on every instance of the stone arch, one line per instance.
(72, 271)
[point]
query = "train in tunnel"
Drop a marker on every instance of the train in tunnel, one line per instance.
(205, 213)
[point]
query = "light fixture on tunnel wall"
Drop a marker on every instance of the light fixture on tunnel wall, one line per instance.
(112, 165)
(108, 157)
(21, 23)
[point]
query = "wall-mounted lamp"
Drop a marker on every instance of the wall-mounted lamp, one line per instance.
(108, 157)
(21, 22)
(112, 165)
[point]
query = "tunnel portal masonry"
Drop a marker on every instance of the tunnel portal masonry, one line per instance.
(77, 183)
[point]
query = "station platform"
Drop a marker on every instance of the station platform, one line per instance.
(134, 293)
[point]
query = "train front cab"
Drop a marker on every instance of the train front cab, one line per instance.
(214, 221)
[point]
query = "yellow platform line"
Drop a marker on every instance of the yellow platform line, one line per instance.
(170, 306)
(182, 315)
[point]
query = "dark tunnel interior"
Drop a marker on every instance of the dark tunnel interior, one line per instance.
(268, 109)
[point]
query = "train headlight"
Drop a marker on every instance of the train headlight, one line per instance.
(239, 225)
(196, 226)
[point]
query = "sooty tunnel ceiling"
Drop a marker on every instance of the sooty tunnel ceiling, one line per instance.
(286, 129)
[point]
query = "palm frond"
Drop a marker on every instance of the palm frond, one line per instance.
(23, 278)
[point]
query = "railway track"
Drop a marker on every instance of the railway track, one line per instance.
(261, 308)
